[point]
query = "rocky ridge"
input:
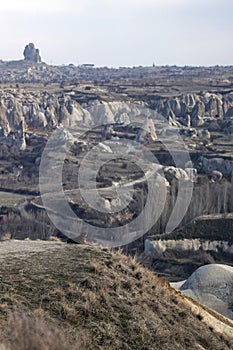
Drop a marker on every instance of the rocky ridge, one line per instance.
(21, 110)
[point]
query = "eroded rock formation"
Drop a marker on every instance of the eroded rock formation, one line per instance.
(31, 53)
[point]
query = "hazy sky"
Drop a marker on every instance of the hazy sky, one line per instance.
(120, 33)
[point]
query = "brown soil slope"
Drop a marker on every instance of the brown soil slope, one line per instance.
(104, 300)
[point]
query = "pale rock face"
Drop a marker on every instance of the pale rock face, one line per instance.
(197, 106)
(212, 285)
(172, 119)
(64, 116)
(189, 100)
(172, 173)
(40, 120)
(192, 173)
(167, 111)
(130, 109)
(14, 115)
(198, 109)
(214, 106)
(116, 112)
(51, 115)
(147, 133)
(3, 119)
(123, 118)
(188, 244)
(79, 115)
(104, 148)
(102, 114)
(175, 106)
(42, 109)
(225, 107)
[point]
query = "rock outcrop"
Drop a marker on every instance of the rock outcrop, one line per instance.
(193, 109)
(212, 285)
(147, 132)
(39, 109)
(208, 166)
(31, 53)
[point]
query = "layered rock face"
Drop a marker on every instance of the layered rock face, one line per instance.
(20, 110)
(31, 53)
(35, 110)
(195, 108)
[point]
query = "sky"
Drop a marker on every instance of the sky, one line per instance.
(119, 32)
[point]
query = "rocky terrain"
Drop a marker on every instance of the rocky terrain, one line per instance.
(29, 116)
(182, 115)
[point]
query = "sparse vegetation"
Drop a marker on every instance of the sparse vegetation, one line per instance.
(96, 299)
(24, 332)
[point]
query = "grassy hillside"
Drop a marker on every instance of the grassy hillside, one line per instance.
(87, 298)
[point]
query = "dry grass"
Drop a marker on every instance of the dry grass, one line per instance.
(25, 332)
(11, 199)
(102, 299)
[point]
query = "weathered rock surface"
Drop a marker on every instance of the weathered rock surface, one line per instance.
(32, 110)
(198, 106)
(211, 285)
(21, 110)
(31, 53)
(147, 133)
(208, 166)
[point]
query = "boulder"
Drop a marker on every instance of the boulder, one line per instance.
(212, 285)
(172, 173)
